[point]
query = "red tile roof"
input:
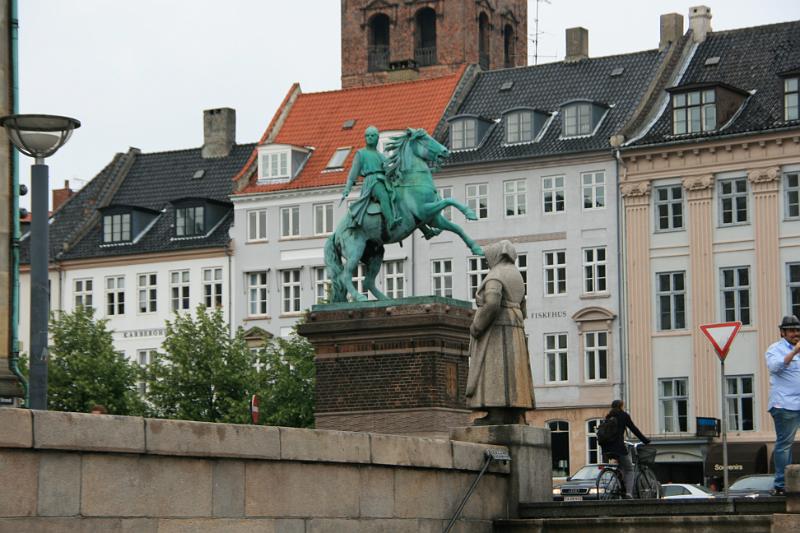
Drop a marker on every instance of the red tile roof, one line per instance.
(316, 119)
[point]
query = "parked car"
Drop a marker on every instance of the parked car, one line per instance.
(679, 491)
(755, 486)
(582, 485)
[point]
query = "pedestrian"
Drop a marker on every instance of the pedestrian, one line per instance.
(614, 447)
(784, 394)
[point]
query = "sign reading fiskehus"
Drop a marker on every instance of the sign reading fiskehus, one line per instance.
(549, 314)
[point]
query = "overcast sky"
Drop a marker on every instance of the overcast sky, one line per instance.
(141, 72)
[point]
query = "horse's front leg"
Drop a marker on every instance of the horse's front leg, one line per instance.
(352, 250)
(432, 208)
(374, 262)
(440, 222)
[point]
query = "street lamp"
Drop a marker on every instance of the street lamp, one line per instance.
(39, 136)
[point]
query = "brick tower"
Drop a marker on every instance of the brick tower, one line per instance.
(401, 40)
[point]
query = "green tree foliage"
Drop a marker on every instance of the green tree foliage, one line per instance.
(84, 368)
(286, 382)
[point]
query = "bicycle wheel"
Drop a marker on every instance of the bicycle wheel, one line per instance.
(609, 485)
(647, 485)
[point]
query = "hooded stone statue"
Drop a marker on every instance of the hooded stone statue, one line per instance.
(500, 380)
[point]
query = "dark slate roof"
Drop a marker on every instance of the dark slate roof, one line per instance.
(547, 87)
(151, 181)
(751, 59)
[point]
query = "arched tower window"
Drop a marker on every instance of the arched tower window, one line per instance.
(483, 41)
(425, 37)
(508, 46)
(378, 45)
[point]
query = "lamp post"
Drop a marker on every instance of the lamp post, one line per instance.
(39, 136)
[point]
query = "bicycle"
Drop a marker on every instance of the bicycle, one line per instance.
(611, 484)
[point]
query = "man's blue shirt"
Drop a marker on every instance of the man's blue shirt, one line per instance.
(784, 380)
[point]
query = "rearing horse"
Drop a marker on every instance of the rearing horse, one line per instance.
(417, 203)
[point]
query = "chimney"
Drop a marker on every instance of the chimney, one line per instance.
(577, 44)
(699, 22)
(62, 195)
(671, 29)
(219, 132)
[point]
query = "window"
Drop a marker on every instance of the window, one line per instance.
(515, 197)
(257, 293)
(115, 295)
(592, 446)
(739, 394)
(792, 195)
(179, 290)
(425, 37)
(212, 287)
(378, 43)
(522, 266)
(117, 228)
(189, 221)
(274, 165)
(577, 119)
(669, 207)
(555, 354)
(793, 281)
(673, 405)
(671, 297)
(594, 270)
(393, 279)
(290, 221)
(559, 445)
(477, 268)
(446, 192)
(736, 294)
(257, 225)
(594, 190)
(290, 287)
(83, 293)
(733, 201)
(595, 349)
(147, 286)
(323, 219)
(555, 272)
(322, 285)
(442, 277)
(519, 126)
(358, 281)
(463, 134)
(144, 358)
(694, 112)
(478, 199)
(790, 98)
(338, 158)
(553, 194)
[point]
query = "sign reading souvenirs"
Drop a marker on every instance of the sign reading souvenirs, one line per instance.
(721, 336)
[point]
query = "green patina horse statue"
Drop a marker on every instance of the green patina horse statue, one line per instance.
(417, 204)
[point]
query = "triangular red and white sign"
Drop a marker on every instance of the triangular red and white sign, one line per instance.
(721, 336)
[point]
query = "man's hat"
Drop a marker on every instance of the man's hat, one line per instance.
(790, 322)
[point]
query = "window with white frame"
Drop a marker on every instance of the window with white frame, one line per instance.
(553, 194)
(322, 285)
(595, 351)
(594, 270)
(555, 272)
(694, 111)
(212, 287)
(555, 354)
(515, 197)
(559, 445)
(519, 126)
(290, 290)
(446, 192)
(671, 298)
(290, 221)
(594, 190)
(673, 405)
(274, 165)
(522, 266)
(442, 277)
(257, 225)
(189, 221)
(358, 281)
(179, 290)
(144, 358)
(790, 98)
(115, 295)
(463, 134)
(82, 290)
(793, 284)
(323, 219)
(792, 194)
(117, 228)
(735, 294)
(477, 268)
(577, 119)
(592, 446)
(733, 201)
(394, 281)
(338, 158)
(478, 199)
(147, 287)
(740, 398)
(257, 293)
(669, 207)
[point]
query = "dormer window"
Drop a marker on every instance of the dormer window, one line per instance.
(578, 119)
(117, 228)
(189, 221)
(274, 165)
(279, 163)
(462, 134)
(790, 98)
(524, 125)
(694, 112)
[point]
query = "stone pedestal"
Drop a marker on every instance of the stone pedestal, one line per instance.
(531, 465)
(397, 366)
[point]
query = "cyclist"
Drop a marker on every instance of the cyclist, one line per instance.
(615, 447)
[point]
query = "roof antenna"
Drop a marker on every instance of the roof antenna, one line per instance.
(536, 32)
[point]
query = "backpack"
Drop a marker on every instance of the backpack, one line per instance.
(607, 430)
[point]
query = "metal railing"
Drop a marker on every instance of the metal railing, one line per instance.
(425, 56)
(377, 57)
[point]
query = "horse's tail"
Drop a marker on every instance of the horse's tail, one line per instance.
(333, 262)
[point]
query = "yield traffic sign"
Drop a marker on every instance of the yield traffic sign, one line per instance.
(721, 336)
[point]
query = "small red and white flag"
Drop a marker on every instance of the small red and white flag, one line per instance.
(254, 413)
